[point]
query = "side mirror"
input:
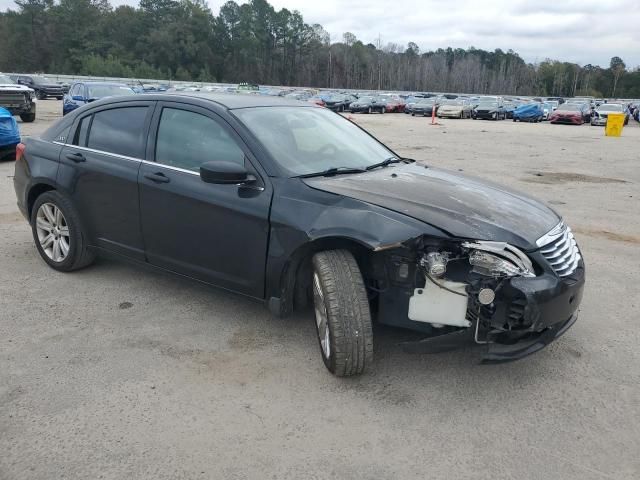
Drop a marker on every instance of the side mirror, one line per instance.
(222, 172)
(78, 98)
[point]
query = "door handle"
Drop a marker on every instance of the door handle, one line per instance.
(76, 157)
(158, 177)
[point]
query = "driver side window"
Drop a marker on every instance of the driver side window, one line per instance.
(188, 139)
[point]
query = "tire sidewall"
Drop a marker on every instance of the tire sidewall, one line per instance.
(75, 235)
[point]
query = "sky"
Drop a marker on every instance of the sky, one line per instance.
(580, 31)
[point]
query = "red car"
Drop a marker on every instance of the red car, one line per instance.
(394, 104)
(573, 114)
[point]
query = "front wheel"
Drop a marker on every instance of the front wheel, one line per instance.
(382, 110)
(343, 319)
(58, 233)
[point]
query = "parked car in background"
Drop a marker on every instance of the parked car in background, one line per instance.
(368, 104)
(547, 109)
(601, 113)
(571, 113)
(43, 86)
(425, 107)
(489, 108)
(19, 100)
(9, 135)
(458, 108)
(293, 206)
(82, 93)
(338, 102)
(529, 112)
(393, 103)
(316, 100)
(299, 95)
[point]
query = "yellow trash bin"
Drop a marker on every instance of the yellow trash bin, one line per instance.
(615, 124)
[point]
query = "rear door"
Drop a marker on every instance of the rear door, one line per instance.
(211, 232)
(99, 169)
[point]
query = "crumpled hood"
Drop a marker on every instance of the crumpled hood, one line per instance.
(460, 205)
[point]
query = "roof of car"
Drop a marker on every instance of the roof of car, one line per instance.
(235, 100)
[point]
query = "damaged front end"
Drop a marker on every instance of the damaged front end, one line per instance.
(490, 293)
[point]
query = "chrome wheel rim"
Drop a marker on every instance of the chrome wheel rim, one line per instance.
(322, 320)
(53, 232)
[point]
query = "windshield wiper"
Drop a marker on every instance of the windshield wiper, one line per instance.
(384, 163)
(329, 172)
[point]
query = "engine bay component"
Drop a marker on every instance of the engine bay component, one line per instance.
(442, 303)
(486, 296)
(436, 263)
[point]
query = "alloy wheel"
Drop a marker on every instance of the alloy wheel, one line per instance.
(53, 232)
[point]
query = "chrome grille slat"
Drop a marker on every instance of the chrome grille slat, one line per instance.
(562, 251)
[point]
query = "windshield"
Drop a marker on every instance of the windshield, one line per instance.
(429, 101)
(610, 108)
(451, 102)
(305, 140)
(100, 91)
(365, 99)
(5, 79)
(485, 103)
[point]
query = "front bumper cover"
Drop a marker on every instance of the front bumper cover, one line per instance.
(548, 305)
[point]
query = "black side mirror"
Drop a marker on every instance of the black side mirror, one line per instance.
(222, 172)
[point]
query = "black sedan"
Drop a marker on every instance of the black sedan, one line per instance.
(338, 102)
(424, 107)
(368, 104)
(291, 204)
(489, 110)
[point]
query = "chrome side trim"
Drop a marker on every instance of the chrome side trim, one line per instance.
(101, 152)
(170, 167)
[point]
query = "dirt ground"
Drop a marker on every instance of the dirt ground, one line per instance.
(115, 372)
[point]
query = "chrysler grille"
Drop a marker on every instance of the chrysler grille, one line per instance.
(562, 253)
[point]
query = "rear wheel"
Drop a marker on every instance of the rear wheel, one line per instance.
(40, 95)
(343, 319)
(369, 110)
(58, 233)
(382, 110)
(27, 117)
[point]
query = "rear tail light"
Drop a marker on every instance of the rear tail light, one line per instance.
(20, 151)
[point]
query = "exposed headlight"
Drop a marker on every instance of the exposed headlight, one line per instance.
(492, 265)
(498, 259)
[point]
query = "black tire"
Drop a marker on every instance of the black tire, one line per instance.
(345, 303)
(40, 95)
(370, 110)
(79, 255)
(59, 98)
(382, 110)
(27, 117)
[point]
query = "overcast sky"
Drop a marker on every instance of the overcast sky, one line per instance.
(582, 31)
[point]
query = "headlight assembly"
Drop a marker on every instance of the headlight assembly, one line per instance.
(498, 259)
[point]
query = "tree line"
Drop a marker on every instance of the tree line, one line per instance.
(184, 40)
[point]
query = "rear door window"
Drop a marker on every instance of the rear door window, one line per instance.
(119, 130)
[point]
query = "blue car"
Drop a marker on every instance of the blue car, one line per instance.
(529, 112)
(9, 135)
(82, 93)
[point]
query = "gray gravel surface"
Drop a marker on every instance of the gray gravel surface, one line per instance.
(116, 372)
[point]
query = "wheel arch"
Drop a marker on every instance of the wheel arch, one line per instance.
(34, 192)
(295, 278)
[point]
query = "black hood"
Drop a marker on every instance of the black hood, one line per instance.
(462, 206)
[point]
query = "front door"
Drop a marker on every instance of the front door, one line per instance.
(214, 233)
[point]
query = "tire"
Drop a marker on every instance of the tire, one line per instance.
(40, 95)
(370, 110)
(59, 98)
(27, 117)
(343, 319)
(78, 255)
(382, 110)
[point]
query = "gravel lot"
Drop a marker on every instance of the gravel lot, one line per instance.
(115, 372)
